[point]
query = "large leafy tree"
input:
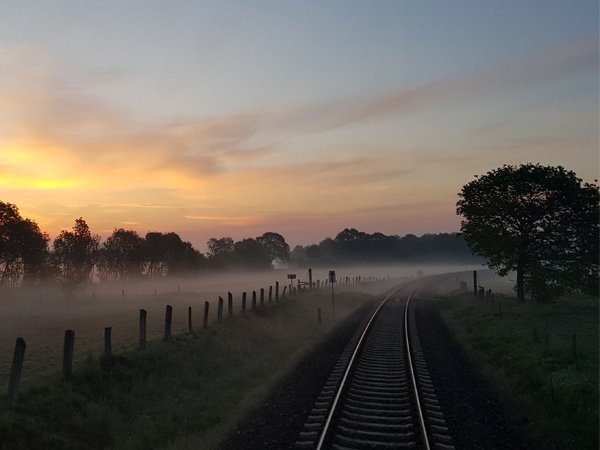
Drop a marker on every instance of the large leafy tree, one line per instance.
(540, 221)
(75, 253)
(23, 248)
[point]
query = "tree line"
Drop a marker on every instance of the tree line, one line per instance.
(28, 256)
(541, 222)
(352, 246)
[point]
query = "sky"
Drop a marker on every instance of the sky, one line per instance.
(233, 118)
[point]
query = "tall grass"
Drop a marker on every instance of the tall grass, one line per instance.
(528, 353)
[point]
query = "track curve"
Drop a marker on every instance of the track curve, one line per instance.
(379, 395)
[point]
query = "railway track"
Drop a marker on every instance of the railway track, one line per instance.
(380, 394)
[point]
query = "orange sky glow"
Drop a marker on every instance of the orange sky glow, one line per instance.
(94, 136)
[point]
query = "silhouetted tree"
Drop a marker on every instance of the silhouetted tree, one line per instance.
(220, 251)
(298, 256)
(122, 256)
(23, 248)
(352, 244)
(381, 247)
(157, 254)
(409, 247)
(185, 258)
(328, 250)
(313, 252)
(249, 253)
(540, 221)
(75, 253)
(275, 245)
(168, 254)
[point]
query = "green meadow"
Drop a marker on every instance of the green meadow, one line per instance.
(541, 358)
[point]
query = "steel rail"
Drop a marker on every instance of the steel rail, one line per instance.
(348, 369)
(412, 373)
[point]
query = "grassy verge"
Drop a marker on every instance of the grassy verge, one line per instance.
(199, 384)
(527, 352)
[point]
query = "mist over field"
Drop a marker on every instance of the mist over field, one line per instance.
(42, 315)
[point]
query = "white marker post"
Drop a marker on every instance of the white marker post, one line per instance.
(331, 281)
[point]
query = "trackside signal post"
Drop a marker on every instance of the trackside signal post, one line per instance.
(291, 277)
(331, 281)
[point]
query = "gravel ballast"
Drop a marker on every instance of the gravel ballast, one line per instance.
(475, 417)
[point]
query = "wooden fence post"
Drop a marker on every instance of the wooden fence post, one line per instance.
(168, 321)
(475, 283)
(142, 329)
(220, 310)
(15, 372)
(283, 293)
(276, 290)
(230, 304)
(244, 302)
(205, 321)
(262, 297)
(270, 293)
(108, 342)
(190, 328)
(253, 300)
(68, 352)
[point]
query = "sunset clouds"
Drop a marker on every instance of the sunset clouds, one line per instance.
(383, 156)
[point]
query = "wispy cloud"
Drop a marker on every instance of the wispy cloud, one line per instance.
(53, 122)
(546, 65)
(49, 120)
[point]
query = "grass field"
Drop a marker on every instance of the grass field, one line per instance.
(41, 315)
(198, 384)
(542, 359)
